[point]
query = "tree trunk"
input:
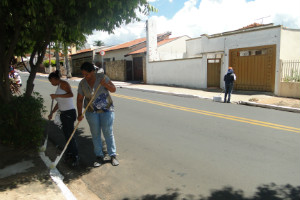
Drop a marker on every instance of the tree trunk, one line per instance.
(57, 62)
(39, 50)
(5, 58)
(69, 75)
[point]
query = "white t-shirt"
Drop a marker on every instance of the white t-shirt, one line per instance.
(64, 103)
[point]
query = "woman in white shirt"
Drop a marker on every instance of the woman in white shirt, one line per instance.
(64, 98)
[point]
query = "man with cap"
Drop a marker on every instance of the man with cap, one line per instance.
(229, 79)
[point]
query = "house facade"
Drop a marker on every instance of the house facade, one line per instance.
(127, 61)
(80, 57)
(254, 52)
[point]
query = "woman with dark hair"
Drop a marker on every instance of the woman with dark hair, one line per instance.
(64, 98)
(100, 114)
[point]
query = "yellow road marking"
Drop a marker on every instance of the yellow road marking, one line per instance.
(208, 113)
(219, 115)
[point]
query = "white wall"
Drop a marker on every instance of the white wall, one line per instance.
(174, 49)
(151, 40)
(184, 72)
(290, 44)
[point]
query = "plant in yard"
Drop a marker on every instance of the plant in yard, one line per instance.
(22, 121)
(46, 63)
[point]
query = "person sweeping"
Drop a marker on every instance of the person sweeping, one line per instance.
(65, 105)
(99, 114)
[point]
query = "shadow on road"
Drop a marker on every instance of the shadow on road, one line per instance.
(263, 192)
(56, 144)
(41, 173)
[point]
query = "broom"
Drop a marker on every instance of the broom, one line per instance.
(43, 148)
(53, 165)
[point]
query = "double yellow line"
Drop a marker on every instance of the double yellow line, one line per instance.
(219, 115)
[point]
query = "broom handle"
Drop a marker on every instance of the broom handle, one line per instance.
(46, 140)
(60, 156)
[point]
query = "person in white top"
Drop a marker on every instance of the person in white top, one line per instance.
(64, 98)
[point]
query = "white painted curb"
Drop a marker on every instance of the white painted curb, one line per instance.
(57, 178)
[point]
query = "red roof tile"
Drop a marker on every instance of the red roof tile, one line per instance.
(127, 44)
(142, 50)
(81, 51)
(252, 25)
(135, 42)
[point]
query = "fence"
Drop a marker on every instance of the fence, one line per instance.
(290, 70)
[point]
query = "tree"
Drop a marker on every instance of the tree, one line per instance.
(57, 49)
(32, 25)
(66, 54)
(98, 43)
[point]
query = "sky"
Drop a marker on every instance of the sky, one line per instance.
(196, 17)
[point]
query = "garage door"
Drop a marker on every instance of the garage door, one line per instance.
(254, 68)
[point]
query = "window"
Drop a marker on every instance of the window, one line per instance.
(213, 60)
(252, 52)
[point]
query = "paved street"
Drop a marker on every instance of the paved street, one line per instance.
(188, 145)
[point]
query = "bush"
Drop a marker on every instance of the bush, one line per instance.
(46, 63)
(22, 122)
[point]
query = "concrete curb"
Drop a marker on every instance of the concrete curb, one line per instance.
(283, 108)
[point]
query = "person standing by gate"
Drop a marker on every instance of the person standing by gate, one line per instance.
(229, 79)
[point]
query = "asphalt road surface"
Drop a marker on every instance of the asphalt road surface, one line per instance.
(171, 145)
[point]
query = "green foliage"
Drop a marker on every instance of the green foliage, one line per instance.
(30, 25)
(294, 77)
(21, 121)
(98, 43)
(46, 63)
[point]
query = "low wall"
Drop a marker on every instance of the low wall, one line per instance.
(189, 73)
(48, 70)
(63, 70)
(116, 70)
(289, 89)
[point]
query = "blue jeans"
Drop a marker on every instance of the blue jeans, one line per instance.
(102, 121)
(228, 90)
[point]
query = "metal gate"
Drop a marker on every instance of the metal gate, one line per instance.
(213, 72)
(129, 73)
(254, 68)
(138, 68)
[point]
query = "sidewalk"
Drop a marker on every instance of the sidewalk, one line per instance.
(23, 175)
